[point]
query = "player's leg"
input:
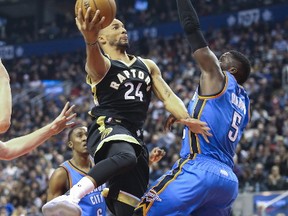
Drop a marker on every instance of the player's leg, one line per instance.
(125, 190)
(178, 192)
(119, 157)
(221, 193)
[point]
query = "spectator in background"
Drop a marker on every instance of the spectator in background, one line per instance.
(275, 180)
(258, 179)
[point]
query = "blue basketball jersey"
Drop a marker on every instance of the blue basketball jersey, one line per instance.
(227, 114)
(93, 204)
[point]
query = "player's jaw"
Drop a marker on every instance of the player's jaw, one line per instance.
(122, 43)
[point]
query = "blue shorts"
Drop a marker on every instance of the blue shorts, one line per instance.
(200, 187)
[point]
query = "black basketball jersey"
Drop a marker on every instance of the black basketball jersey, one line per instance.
(124, 93)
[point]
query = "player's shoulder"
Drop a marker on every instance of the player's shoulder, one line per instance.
(60, 172)
(146, 60)
(150, 64)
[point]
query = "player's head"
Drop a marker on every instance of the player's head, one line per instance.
(237, 64)
(114, 35)
(77, 139)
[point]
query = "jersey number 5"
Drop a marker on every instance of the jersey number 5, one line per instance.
(133, 92)
(233, 132)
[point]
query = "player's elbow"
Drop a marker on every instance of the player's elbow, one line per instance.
(6, 153)
(4, 125)
(6, 157)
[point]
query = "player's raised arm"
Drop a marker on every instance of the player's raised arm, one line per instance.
(6, 99)
(97, 64)
(212, 78)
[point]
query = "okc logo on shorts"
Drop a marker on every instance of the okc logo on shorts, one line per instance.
(152, 196)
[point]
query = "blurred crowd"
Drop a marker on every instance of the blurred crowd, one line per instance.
(134, 13)
(261, 160)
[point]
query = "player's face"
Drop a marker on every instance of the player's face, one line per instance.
(78, 140)
(116, 34)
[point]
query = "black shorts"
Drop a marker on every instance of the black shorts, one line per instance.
(106, 129)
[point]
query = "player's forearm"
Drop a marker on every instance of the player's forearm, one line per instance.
(190, 23)
(5, 105)
(176, 107)
(22, 145)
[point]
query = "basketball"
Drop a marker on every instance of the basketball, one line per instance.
(107, 9)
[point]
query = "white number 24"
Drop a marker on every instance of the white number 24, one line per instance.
(132, 92)
(233, 133)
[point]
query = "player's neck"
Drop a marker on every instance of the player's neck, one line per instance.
(82, 162)
(120, 55)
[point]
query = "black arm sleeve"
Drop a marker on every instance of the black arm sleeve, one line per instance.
(190, 23)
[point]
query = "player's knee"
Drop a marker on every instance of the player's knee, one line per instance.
(125, 160)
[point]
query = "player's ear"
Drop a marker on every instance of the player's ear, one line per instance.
(233, 70)
(101, 39)
(70, 144)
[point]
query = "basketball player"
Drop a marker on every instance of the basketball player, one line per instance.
(122, 86)
(71, 171)
(202, 180)
(19, 146)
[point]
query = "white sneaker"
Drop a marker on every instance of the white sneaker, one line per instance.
(62, 206)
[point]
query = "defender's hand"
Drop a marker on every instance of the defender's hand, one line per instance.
(197, 127)
(169, 122)
(63, 120)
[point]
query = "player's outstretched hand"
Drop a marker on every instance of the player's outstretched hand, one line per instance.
(197, 127)
(156, 155)
(63, 120)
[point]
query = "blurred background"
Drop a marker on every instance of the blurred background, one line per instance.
(45, 55)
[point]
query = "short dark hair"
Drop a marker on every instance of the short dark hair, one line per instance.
(245, 67)
(72, 129)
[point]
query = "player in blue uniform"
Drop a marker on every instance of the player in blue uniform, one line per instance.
(71, 171)
(202, 182)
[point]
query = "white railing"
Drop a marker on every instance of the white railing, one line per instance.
(263, 207)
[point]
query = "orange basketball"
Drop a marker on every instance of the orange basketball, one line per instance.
(107, 9)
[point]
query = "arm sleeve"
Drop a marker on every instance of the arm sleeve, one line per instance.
(190, 23)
